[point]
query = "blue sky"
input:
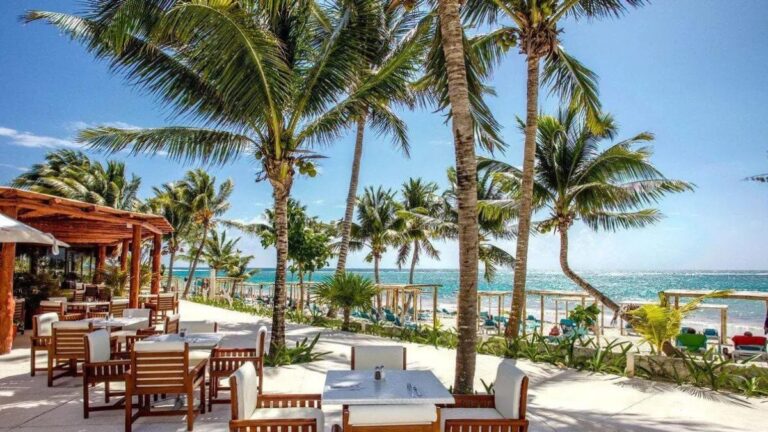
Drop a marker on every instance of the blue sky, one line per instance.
(694, 73)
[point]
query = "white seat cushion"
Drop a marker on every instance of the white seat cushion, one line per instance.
(147, 346)
(71, 325)
(509, 381)
(368, 357)
(198, 356)
(290, 413)
(383, 415)
(468, 413)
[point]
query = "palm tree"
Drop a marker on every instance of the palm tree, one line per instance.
(220, 253)
(169, 202)
(377, 227)
(347, 291)
(71, 174)
(419, 198)
(284, 88)
(608, 189)
(392, 67)
(204, 204)
(536, 32)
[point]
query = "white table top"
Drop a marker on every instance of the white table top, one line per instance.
(359, 388)
(194, 340)
(124, 322)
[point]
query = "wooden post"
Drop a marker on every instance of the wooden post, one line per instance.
(723, 325)
(157, 247)
(7, 304)
(124, 255)
(101, 261)
(434, 307)
(135, 267)
(541, 323)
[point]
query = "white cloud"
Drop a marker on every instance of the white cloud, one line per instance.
(28, 139)
(14, 167)
(319, 202)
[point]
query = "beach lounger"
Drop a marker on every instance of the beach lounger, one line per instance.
(691, 342)
(711, 334)
(749, 346)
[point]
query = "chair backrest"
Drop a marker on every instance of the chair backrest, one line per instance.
(511, 390)
(79, 295)
(172, 324)
(369, 356)
(199, 326)
(261, 341)
(118, 306)
(41, 324)
(69, 339)
(692, 341)
(244, 385)
(756, 341)
(710, 332)
(47, 306)
(97, 347)
(91, 290)
(137, 313)
(159, 367)
(18, 311)
(166, 301)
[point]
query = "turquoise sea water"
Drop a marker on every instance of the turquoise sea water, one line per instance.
(617, 285)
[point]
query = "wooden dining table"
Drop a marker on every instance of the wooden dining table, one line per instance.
(86, 305)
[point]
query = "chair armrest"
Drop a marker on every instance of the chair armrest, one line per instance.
(459, 425)
(289, 401)
(274, 424)
(472, 401)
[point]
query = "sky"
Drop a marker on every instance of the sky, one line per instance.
(692, 72)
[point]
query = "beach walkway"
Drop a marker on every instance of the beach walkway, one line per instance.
(559, 399)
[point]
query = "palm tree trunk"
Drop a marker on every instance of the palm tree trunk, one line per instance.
(193, 268)
(172, 251)
(376, 277)
(526, 200)
(281, 244)
(466, 182)
(586, 286)
(414, 260)
(346, 224)
(345, 323)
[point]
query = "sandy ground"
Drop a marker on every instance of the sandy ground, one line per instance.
(559, 399)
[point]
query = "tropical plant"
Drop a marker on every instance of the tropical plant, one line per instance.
(419, 198)
(659, 323)
(169, 202)
(347, 291)
(71, 174)
(115, 279)
(302, 352)
(608, 189)
(220, 253)
(377, 227)
(535, 30)
(584, 317)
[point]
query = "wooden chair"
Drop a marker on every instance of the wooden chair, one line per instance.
(126, 332)
(199, 326)
(226, 361)
(42, 333)
(67, 348)
(96, 314)
(60, 307)
(78, 295)
(387, 418)
(117, 307)
(393, 357)
(163, 304)
(139, 334)
(19, 315)
(164, 368)
(102, 365)
(171, 324)
(503, 411)
(252, 411)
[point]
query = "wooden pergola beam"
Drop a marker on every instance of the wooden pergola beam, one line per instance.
(7, 304)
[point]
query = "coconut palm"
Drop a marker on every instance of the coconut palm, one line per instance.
(377, 227)
(347, 291)
(72, 174)
(419, 198)
(220, 252)
(283, 90)
(535, 30)
(204, 203)
(608, 189)
(169, 202)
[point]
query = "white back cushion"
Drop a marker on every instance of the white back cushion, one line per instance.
(121, 302)
(261, 335)
(45, 322)
(368, 357)
(98, 346)
(247, 390)
(198, 326)
(71, 325)
(51, 303)
(137, 313)
(509, 381)
(146, 346)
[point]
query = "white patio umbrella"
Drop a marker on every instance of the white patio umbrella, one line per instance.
(13, 231)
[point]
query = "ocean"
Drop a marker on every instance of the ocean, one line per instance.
(620, 285)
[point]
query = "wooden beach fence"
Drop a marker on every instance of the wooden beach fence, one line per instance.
(396, 295)
(566, 296)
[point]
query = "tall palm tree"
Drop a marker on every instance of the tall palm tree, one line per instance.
(607, 189)
(535, 30)
(419, 198)
(220, 252)
(72, 174)
(169, 202)
(204, 204)
(377, 227)
(395, 61)
(284, 88)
